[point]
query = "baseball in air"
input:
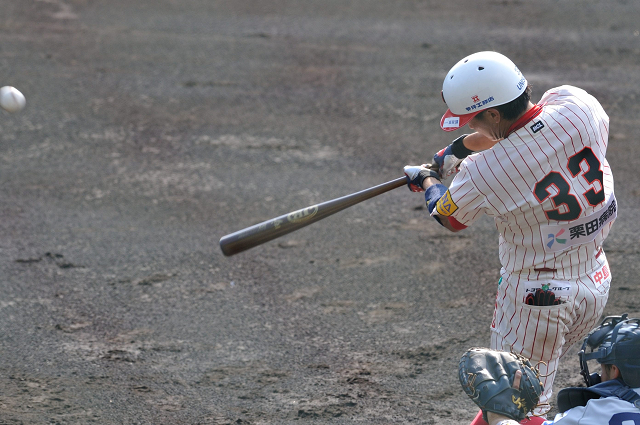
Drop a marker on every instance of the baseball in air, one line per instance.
(11, 99)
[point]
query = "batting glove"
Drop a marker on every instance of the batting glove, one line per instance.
(449, 158)
(416, 175)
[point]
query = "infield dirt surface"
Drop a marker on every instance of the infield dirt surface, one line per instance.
(153, 128)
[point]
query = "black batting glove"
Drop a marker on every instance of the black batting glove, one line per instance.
(542, 298)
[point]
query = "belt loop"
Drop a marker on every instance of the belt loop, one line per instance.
(545, 269)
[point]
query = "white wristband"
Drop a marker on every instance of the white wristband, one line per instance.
(508, 422)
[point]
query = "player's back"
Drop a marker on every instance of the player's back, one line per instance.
(549, 186)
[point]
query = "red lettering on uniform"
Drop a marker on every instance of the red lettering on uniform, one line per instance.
(605, 271)
(598, 277)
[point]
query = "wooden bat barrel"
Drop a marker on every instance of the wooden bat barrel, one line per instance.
(260, 233)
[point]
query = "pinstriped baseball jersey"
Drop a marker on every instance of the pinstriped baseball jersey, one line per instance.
(549, 189)
(548, 186)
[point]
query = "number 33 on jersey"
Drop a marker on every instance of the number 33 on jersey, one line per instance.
(547, 185)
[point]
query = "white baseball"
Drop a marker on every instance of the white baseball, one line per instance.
(11, 99)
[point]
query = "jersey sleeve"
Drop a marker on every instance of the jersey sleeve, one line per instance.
(582, 109)
(462, 201)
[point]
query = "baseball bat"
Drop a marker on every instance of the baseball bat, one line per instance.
(258, 234)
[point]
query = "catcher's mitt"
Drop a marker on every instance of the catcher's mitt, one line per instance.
(487, 378)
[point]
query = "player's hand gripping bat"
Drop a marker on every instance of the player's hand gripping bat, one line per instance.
(263, 232)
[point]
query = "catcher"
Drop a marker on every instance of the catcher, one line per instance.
(507, 387)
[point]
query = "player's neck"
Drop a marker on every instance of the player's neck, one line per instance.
(529, 113)
(506, 127)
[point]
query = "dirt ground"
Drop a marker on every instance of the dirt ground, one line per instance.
(153, 128)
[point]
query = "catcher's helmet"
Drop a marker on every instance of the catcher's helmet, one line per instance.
(479, 81)
(616, 341)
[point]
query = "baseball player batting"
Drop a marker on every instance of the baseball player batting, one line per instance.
(540, 171)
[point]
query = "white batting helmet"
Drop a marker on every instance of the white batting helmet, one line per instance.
(479, 81)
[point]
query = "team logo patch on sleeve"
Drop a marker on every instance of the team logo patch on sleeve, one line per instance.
(445, 206)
